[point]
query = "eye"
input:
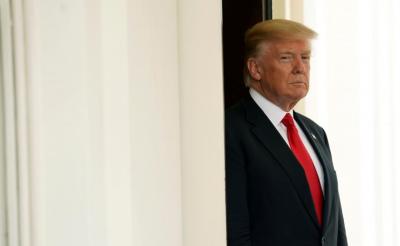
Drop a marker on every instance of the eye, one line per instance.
(305, 57)
(285, 58)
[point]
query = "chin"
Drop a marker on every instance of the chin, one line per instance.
(300, 94)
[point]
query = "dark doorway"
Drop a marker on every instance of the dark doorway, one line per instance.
(238, 16)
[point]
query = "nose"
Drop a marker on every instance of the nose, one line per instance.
(299, 65)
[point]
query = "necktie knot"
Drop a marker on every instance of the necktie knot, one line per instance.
(288, 120)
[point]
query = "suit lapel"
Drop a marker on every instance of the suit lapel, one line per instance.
(317, 145)
(264, 130)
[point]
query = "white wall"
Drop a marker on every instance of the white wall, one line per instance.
(355, 97)
(124, 122)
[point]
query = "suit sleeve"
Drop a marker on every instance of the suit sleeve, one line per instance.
(238, 228)
(342, 238)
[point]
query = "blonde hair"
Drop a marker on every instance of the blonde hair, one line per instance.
(272, 30)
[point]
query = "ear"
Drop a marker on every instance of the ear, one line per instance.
(253, 68)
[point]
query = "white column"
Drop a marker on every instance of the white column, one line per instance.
(200, 59)
(155, 121)
(104, 137)
(9, 216)
(125, 122)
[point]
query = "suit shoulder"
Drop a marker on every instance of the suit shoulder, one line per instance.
(235, 112)
(309, 122)
(314, 127)
(236, 122)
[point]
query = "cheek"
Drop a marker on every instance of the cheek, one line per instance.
(307, 73)
(280, 74)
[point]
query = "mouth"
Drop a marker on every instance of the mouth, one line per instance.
(297, 82)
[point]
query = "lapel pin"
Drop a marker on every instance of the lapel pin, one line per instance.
(313, 136)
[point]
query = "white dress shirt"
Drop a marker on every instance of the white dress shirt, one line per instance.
(275, 115)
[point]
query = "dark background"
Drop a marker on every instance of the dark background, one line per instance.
(238, 16)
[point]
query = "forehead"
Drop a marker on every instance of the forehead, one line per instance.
(292, 46)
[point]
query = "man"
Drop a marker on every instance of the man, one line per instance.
(281, 185)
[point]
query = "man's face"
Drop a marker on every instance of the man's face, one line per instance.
(282, 72)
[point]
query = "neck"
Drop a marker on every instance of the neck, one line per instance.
(281, 103)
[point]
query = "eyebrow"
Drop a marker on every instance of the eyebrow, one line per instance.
(308, 52)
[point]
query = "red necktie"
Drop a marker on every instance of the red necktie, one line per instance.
(300, 151)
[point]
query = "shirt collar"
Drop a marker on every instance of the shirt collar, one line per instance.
(273, 112)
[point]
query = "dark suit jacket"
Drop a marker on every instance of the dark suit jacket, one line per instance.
(268, 199)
